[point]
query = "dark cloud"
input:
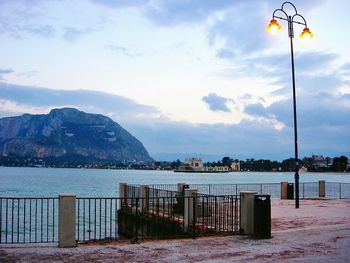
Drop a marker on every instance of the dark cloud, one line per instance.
(120, 3)
(246, 96)
(226, 53)
(322, 109)
(171, 13)
(19, 29)
(89, 100)
(345, 68)
(217, 103)
(250, 138)
(72, 34)
(256, 109)
(27, 74)
(46, 31)
(124, 51)
(4, 72)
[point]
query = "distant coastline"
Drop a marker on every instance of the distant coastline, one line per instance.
(308, 164)
(188, 172)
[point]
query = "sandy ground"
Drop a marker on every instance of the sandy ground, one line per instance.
(317, 232)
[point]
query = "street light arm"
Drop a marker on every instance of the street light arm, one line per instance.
(295, 9)
(278, 9)
(297, 22)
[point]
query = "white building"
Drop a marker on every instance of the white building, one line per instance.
(194, 164)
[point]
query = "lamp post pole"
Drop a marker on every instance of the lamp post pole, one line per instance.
(274, 26)
(296, 175)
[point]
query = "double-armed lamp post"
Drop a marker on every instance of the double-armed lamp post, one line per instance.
(273, 27)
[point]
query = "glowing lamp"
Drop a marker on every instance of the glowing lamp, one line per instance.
(306, 34)
(274, 26)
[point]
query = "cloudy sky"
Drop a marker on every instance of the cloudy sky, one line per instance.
(185, 77)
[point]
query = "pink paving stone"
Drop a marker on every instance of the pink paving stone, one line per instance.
(319, 231)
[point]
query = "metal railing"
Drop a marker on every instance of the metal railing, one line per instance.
(133, 191)
(169, 217)
(28, 220)
(96, 219)
(337, 190)
(161, 214)
(306, 189)
(216, 214)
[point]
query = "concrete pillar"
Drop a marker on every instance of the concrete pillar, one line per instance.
(247, 212)
(144, 198)
(122, 194)
(180, 187)
(284, 190)
(322, 188)
(189, 208)
(66, 220)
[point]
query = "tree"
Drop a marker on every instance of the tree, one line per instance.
(339, 164)
(226, 161)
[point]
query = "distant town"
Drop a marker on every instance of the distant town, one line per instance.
(315, 163)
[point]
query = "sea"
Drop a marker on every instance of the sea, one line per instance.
(50, 182)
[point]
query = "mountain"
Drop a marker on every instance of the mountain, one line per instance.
(68, 132)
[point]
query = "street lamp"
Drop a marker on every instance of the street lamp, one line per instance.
(273, 27)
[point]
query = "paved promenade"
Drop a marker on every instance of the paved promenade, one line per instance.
(317, 232)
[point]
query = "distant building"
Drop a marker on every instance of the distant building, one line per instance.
(236, 166)
(196, 165)
(320, 162)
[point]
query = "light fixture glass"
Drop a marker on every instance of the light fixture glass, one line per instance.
(306, 34)
(274, 26)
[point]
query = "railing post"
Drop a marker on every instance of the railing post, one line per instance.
(321, 188)
(189, 208)
(136, 237)
(66, 220)
(247, 212)
(122, 194)
(284, 190)
(144, 198)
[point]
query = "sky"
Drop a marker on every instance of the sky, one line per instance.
(197, 77)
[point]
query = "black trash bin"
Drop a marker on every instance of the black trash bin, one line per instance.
(262, 216)
(290, 191)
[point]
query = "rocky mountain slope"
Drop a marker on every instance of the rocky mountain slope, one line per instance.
(69, 132)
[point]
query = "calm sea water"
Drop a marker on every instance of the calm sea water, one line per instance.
(105, 183)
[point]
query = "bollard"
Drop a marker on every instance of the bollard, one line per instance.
(322, 188)
(247, 212)
(284, 190)
(189, 207)
(66, 221)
